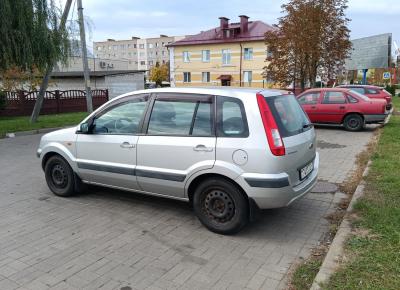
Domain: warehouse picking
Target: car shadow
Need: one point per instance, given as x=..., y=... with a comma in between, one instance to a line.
x=272, y=224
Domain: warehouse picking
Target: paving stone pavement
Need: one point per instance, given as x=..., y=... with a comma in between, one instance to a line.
x=108, y=239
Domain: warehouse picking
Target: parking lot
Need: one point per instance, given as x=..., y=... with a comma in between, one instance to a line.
x=107, y=239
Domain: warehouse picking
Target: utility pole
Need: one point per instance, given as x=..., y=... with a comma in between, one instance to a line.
x=45, y=81
x=89, y=104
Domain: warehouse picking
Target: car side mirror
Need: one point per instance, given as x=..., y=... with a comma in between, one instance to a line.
x=84, y=128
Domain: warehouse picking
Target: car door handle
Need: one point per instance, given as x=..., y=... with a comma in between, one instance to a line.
x=313, y=107
x=342, y=107
x=127, y=145
x=202, y=147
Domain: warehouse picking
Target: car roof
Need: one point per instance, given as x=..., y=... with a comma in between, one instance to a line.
x=238, y=92
x=360, y=86
x=336, y=89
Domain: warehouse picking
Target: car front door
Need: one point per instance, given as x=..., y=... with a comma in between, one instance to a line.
x=107, y=153
x=309, y=102
x=179, y=140
x=333, y=107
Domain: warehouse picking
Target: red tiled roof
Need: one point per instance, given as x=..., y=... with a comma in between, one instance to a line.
x=256, y=31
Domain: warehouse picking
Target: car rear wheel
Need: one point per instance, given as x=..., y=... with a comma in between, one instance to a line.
x=221, y=206
x=59, y=176
x=353, y=122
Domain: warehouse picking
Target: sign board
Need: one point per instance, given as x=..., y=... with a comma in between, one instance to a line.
x=370, y=52
x=386, y=75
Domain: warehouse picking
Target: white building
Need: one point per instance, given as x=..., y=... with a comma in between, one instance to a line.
x=140, y=53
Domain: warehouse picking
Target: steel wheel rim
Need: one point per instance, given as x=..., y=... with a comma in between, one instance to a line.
x=219, y=206
x=354, y=123
x=59, y=176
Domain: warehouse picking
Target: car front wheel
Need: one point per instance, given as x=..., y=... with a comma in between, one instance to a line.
x=221, y=206
x=353, y=122
x=59, y=176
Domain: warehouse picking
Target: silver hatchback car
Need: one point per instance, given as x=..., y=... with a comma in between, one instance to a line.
x=228, y=151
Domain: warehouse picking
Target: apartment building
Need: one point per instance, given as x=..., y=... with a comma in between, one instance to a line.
x=141, y=53
x=233, y=54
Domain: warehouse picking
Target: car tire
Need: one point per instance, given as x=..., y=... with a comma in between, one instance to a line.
x=221, y=206
x=59, y=176
x=353, y=122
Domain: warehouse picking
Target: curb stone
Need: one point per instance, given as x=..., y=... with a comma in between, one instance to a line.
x=33, y=132
x=335, y=252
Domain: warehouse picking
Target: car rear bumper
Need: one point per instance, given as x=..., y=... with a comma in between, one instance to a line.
x=269, y=192
x=377, y=118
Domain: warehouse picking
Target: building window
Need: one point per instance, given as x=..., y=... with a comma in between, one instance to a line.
x=157, y=44
x=115, y=47
x=99, y=48
x=150, y=45
x=134, y=46
x=247, y=76
x=150, y=62
x=187, y=77
x=141, y=54
x=186, y=56
x=205, y=76
x=129, y=46
x=248, y=53
x=150, y=53
x=226, y=56
x=143, y=62
x=205, y=56
x=163, y=53
x=141, y=45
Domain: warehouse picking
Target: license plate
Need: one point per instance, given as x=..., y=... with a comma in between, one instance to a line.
x=306, y=170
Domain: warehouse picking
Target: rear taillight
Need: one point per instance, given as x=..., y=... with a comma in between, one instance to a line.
x=271, y=129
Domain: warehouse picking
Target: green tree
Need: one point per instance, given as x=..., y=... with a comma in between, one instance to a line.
x=312, y=38
x=159, y=73
x=29, y=36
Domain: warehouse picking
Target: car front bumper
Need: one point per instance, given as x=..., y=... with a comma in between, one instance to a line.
x=269, y=194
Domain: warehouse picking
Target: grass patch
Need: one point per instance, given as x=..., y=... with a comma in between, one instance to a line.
x=374, y=261
x=15, y=124
x=304, y=275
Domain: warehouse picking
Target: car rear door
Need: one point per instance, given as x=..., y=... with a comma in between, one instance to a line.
x=107, y=154
x=298, y=137
x=309, y=102
x=333, y=107
x=178, y=140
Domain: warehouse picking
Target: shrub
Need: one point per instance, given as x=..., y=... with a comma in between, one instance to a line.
x=3, y=99
x=391, y=89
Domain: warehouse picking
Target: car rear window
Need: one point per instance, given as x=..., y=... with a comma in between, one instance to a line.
x=288, y=114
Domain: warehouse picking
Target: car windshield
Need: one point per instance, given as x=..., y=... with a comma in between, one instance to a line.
x=288, y=115
x=361, y=96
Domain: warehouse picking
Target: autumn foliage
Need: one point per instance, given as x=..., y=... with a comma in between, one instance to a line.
x=159, y=74
x=312, y=38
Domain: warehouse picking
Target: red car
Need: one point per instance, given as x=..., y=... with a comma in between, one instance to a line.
x=372, y=92
x=342, y=106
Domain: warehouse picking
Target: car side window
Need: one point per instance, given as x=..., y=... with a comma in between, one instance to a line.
x=309, y=98
x=333, y=97
x=372, y=91
x=352, y=99
x=231, y=118
x=185, y=117
x=358, y=90
x=123, y=118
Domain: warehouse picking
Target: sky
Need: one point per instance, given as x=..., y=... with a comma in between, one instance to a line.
x=122, y=19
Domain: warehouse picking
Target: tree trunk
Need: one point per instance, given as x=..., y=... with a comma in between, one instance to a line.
x=45, y=81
